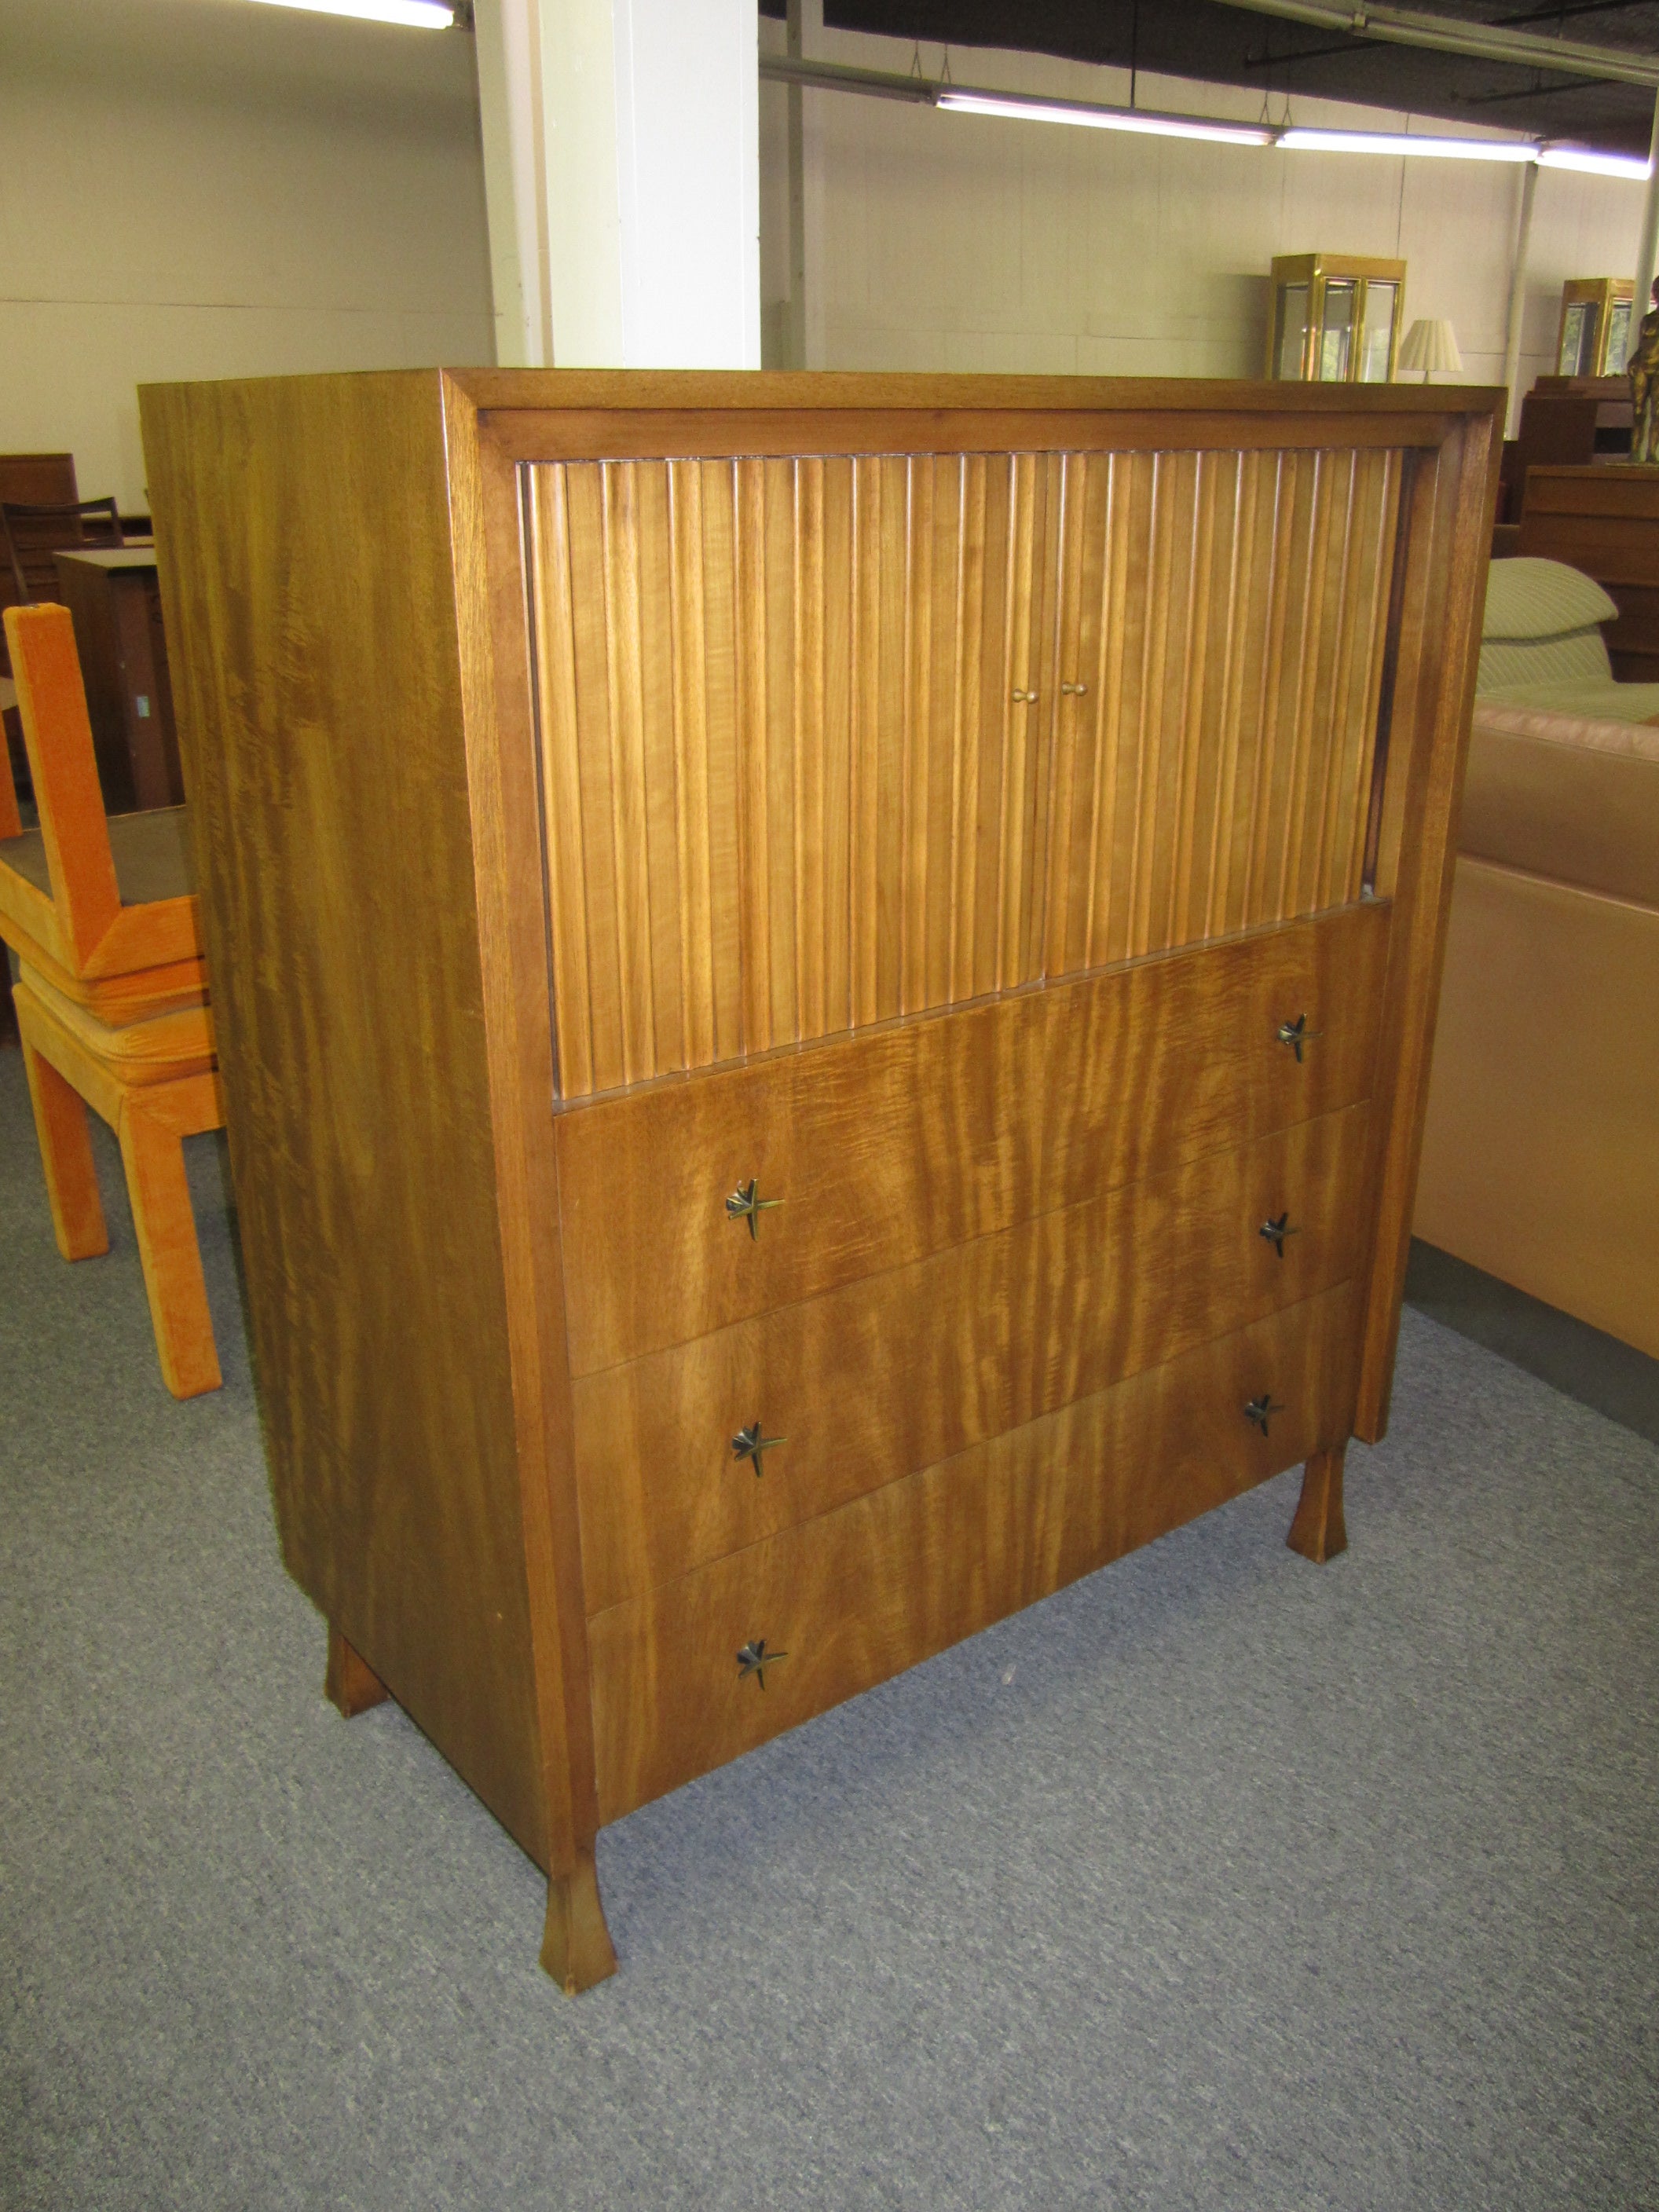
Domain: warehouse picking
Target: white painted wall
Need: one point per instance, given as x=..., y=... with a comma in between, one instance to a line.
x=206, y=188
x=941, y=241
x=199, y=188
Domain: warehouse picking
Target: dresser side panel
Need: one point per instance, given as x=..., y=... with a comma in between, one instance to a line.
x=304, y=541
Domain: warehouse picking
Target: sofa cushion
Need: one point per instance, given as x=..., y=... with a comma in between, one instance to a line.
x=1511, y=664
x=1603, y=701
x=1526, y=598
x=1575, y=801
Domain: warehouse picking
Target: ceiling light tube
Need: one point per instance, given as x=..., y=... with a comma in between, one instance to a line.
x=411, y=15
x=1146, y=121
x=1593, y=164
x=1298, y=141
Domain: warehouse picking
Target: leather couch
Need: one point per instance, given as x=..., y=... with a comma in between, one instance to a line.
x=1541, y=1149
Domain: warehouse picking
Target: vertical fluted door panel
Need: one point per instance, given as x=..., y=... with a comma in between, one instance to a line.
x=1222, y=622
x=789, y=788
x=831, y=739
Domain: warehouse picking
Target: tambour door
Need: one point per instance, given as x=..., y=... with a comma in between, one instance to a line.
x=1222, y=619
x=829, y=740
x=792, y=748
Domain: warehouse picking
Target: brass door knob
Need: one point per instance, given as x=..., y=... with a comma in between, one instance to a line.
x=1025, y=698
x=1074, y=690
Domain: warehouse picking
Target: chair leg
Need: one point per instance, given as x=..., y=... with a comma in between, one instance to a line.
x=154, y=1155
x=60, y=1125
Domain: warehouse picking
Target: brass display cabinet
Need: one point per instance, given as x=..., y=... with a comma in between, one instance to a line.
x=1336, y=319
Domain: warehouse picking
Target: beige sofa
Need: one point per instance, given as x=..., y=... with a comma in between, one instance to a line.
x=1540, y=1150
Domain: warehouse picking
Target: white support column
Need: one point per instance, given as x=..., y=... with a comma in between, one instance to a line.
x=794, y=307
x=1518, y=297
x=688, y=127
x=508, y=35
x=637, y=124
x=1647, y=252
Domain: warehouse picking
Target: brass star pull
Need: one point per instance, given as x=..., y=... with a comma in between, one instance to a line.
x=755, y=1659
x=749, y=1443
x=1276, y=1228
x=746, y=1204
x=1260, y=1411
x=1296, y=1033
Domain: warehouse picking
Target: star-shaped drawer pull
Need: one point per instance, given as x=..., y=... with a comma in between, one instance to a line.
x=1260, y=1411
x=755, y=1659
x=1276, y=1228
x=749, y=1443
x=746, y=1204
x=1297, y=1035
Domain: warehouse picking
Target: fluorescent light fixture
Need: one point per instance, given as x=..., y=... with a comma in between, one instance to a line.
x=1403, y=141
x=1145, y=121
x=412, y=15
x=1597, y=164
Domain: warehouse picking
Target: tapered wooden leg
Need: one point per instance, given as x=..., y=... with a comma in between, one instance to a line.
x=1318, y=1532
x=351, y=1685
x=60, y=1124
x=154, y=1155
x=576, y=1943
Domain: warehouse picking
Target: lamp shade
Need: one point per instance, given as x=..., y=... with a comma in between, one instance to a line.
x=1432, y=344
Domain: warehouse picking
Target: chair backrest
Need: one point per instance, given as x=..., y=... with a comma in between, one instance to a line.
x=37, y=475
x=64, y=767
x=34, y=532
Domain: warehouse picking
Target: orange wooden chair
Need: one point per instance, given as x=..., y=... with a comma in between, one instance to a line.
x=111, y=999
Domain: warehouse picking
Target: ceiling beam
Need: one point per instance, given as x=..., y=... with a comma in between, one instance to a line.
x=1452, y=34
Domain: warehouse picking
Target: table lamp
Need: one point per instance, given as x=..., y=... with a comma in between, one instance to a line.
x=1432, y=344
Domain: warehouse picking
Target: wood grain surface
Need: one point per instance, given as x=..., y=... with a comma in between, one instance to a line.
x=1222, y=623
x=1448, y=523
x=885, y=1377
x=303, y=533
x=799, y=718
x=887, y=1580
x=884, y=1147
x=501, y=782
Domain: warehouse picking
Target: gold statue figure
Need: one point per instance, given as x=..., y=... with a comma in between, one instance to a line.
x=1642, y=370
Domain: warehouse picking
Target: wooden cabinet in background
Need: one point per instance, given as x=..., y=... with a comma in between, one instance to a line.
x=1605, y=520
x=115, y=601
x=858, y=969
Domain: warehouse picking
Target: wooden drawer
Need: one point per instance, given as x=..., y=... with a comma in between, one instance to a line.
x=886, y=1147
x=881, y=1378
x=861, y=1593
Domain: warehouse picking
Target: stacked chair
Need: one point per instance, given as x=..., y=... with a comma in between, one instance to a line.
x=111, y=999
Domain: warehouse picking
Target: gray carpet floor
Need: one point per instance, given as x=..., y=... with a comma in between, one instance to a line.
x=1219, y=1880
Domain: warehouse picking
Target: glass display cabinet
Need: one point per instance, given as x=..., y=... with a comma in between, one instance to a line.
x=1595, y=333
x=1336, y=319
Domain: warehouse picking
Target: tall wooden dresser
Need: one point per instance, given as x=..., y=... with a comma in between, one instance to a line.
x=823, y=985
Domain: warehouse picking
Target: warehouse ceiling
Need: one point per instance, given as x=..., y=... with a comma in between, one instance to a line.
x=1226, y=45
